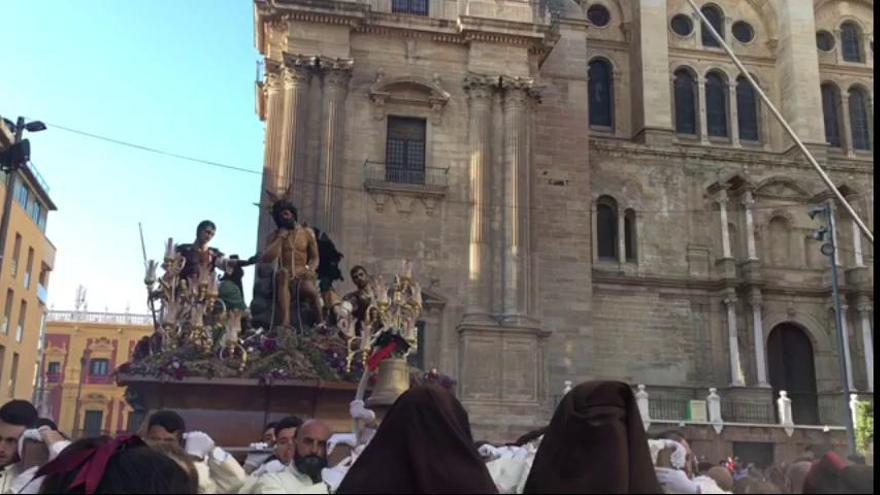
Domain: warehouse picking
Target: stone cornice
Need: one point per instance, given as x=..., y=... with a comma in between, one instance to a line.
x=719, y=57
x=714, y=287
x=862, y=71
x=621, y=148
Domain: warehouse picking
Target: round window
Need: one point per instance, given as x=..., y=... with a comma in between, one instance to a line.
x=682, y=25
x=598, y=15
x=743, y=31
x=824, y=41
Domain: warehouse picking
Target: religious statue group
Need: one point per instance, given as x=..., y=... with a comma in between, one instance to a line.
x=293, y=293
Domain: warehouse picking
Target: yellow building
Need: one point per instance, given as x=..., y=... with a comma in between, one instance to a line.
x=98, y=343
x=28, y=258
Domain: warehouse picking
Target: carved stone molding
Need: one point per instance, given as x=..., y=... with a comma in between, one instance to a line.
x=405, y=196
x=409, y=90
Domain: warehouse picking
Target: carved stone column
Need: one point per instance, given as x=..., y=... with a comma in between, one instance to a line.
x=336, y=76
x=734, y=113
x=736, y=374
x=847, y=359
x=725, y=231
x=274, y=144
x=858, y=256
x=758, y=335
x=480, y=90
x=749, y=203
x=847, y=140
x=867, y=341
x=701, y=111
x=297, y=74
x=515, y=199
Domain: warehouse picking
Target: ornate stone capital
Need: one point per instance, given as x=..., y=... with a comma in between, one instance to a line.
x=864, y=308
x=516, y=89
x=337, y=71
x=480, y=87
x=721, y=198
x=748, y=199
x=729, y=301
x=273, y=83
x=296, y=74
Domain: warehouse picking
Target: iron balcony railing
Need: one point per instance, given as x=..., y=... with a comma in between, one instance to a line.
x=378, y=172
x=97, y=317
x=748, y=411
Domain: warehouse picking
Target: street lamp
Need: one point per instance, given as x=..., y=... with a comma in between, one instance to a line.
x=829, y=249
x=11, y=160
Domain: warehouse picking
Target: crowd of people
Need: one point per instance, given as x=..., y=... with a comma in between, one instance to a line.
x=595, y=443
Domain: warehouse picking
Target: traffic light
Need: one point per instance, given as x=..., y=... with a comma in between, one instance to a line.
x=15, y=156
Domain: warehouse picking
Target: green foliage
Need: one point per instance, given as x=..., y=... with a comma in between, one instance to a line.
x=864, y=426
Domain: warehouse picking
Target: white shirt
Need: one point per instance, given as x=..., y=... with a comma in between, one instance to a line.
x=289, y=480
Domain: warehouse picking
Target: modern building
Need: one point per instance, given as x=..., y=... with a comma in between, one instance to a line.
x=28, y=260
x=83, y=350
x=592, y=191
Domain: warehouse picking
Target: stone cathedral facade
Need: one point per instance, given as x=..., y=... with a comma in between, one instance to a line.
x=591, y=191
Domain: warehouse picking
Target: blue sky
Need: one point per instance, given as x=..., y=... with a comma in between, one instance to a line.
x=170, y=74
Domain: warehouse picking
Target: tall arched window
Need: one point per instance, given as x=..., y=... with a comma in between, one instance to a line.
x=716, y=19
x=606, y=227
x=858, y=119
x=716, y=105
x=601, y=87
x=629, y=232
x=685, y=102
x=851, y=42
x=746, y=110
x=830, y=111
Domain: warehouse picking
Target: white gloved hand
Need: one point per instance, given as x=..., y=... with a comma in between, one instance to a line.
x=358, y=411
x=675, y=481
x=489, y=452
x=257, y=455
x=273, y=466
x=333, y=476
x=341, y=439
x=198, y=443
x=32, y=434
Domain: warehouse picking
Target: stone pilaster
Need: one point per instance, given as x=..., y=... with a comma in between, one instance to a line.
x=725, y=230
x=274, y=144
x=736, y=374
x=297, y=75
x=703, y=131
x=867, y=341
x=797, y=69
x=749, y=203
x=651, y=100
x=480, y=90
x=734, y=112
x=847, y=359
x=336, y=74
x=515, y=200
x=758, y=335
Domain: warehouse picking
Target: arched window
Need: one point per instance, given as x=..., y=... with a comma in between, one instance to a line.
x=851, y=42
x=746, y=110
x=858, y=119
x=629, y=232
x=685, y=102
x=716, y=105
x=601, y=87
x=830, y=111
x=606, y=227
x=716, y=19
